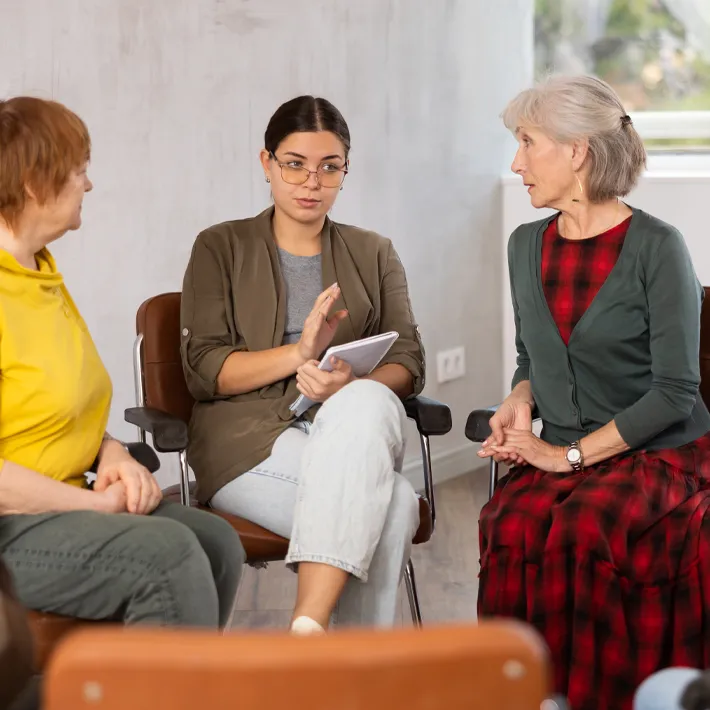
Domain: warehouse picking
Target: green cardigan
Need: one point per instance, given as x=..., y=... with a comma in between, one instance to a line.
x=633, y=356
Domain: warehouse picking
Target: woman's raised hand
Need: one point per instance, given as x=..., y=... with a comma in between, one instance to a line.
x=319, y=327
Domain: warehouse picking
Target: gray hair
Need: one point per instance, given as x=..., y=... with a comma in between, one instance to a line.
x=568, y=108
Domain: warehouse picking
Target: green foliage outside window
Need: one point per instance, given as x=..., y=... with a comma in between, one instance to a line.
x=641, y=47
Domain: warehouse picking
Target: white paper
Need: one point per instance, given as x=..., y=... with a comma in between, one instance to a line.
x=362, y=355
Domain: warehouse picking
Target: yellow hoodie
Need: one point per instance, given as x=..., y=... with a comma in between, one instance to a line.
x=55, y=393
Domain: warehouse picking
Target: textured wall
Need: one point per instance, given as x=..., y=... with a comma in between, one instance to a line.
x=177, y=94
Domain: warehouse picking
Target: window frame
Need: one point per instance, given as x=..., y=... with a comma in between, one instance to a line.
x=672, y=125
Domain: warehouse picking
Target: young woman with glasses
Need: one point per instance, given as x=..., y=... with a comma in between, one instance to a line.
x=263, y=298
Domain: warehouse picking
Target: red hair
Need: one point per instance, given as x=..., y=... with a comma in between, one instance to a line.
x=41, y=143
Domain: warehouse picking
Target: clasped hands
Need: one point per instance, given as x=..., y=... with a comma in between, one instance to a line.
x=123, y=485
x=513, y=443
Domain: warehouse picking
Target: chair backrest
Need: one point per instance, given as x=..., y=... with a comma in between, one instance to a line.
x=501, y=664
x=158, y=321
x=705, y=348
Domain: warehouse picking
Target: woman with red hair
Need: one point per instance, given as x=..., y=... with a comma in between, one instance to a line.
x=115, y=552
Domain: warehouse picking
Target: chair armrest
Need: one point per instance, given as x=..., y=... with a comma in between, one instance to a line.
x=478, y=426
x=144, y=454
x=169, y=433
x=432, y=418
x=141, y=452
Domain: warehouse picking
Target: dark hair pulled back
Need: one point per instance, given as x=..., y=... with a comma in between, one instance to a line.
x=306, y=114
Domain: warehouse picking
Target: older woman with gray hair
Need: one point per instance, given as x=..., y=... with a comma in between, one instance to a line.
x=599, y=535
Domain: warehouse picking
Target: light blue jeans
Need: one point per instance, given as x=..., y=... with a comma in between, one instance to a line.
x=335, y=489
x=664, y=689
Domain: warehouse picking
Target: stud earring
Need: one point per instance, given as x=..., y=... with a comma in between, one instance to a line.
x=267, y=179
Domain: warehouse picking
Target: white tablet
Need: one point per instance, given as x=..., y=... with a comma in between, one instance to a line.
x=362, y=355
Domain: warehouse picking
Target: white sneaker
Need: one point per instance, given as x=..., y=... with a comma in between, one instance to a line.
x=305, y=626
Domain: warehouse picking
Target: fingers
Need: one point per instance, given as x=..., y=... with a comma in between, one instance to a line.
x=306, y=378
x=322, y=378
x=517, y=436
x=146, y=491
x=498, y=435
x=326, y=299
x=322, y=298
x=310, y=374
x=142, y=492
x=116, y=498
x=340, y=365
x=337, y=317
x=333, y=291
x=506, y=451
x=498, y=457
x=157, y=495
x=496, y=431
x=133, y=492
x=105, y=478
x=313, y=324
x=318, y=384
x=318, y=330
x=153, y=494
x=305, y=388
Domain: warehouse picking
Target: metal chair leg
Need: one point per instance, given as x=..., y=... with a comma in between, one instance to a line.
x=493, y=477
x=428, y=478
x=230, y=621
x=411, y=584
x=184, y=479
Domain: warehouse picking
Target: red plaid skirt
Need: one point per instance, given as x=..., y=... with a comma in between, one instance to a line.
x=611, y=565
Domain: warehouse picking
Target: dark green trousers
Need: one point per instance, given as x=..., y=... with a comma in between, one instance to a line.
x=176, y=567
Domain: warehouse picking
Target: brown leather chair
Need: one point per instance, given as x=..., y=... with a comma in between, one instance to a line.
x=496, y=665
x=15, y=642
x=165, y=405
x=478, y=428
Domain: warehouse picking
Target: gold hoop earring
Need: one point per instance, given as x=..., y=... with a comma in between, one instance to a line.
x=581, y=189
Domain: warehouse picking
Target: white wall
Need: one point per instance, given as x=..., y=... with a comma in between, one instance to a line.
x=177, y=94
x=679, y=197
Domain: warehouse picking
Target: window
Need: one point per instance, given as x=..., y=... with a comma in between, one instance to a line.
x=655, y=53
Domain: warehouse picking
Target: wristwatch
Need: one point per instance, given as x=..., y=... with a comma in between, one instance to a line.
x=574, y=456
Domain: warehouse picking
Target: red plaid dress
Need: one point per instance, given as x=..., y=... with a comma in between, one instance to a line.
x=611, y=565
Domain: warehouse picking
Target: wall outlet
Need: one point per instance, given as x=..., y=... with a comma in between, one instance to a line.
x=450, y=364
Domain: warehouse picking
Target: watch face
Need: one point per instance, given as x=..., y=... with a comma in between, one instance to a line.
x=574, y=455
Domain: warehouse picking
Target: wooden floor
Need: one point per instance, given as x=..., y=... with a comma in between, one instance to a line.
x=446, y=567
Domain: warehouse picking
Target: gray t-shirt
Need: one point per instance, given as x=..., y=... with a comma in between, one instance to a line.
x=304, y=283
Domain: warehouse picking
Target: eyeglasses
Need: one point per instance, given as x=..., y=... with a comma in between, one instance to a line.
x=327, y=175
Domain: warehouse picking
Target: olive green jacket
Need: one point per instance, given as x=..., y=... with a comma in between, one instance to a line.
x=234, y=299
